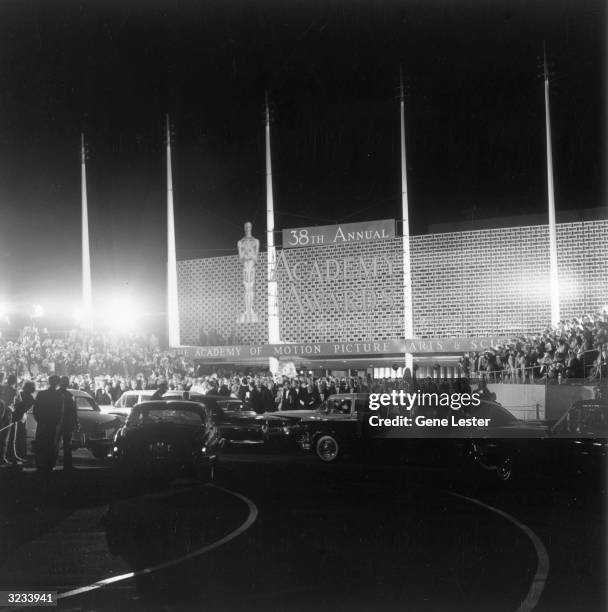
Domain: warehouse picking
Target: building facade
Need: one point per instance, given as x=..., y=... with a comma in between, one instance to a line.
x=469, y=283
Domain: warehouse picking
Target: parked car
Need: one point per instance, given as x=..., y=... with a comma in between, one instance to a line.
x=577, y=444
x=282, y=427
x=165, y=438
x=96, y=431
x=342, y=426
x=339, y=426
x=238, y=423
x=122, y=406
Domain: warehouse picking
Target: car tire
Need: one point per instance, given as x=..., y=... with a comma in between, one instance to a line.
x=327, y=448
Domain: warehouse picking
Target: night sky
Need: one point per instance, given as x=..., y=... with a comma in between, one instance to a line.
x=475, y=123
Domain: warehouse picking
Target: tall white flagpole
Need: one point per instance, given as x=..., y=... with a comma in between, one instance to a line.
x=273, y=306
x=554, y=274
x=87, y=291
x=172, y=303
x=408, y=324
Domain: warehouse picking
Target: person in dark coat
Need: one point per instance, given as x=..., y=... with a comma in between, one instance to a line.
x=267, y=398
x=69, y=421
x=255, y=398
x=102, y=397
x=48, y=413
x=310, y=397
x=243, y=390
x=212, y=388
x=305, y=397
x=25, y=403
x=288, y=397
x=223, y=388
x=162, y=389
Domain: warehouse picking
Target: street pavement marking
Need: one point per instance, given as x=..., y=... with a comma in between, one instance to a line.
x=532, y=597
x=542, y=569
x=251, y=518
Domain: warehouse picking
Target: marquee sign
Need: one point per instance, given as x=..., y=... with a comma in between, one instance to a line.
x=341, y=349
x=338, y=234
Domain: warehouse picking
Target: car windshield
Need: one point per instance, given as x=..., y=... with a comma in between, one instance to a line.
x=178, y=416
x=173, y=395
x=338, y=406
x=130, y=401
x=84, y=403
x=233, y=406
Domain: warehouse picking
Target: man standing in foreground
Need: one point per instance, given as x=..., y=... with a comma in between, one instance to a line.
x=69, y=421
x=48, y=413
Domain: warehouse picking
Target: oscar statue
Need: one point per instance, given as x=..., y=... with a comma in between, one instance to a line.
x=248, y=248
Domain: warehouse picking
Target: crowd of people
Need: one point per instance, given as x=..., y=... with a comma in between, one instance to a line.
x=111, y=364
x=36, y=353
x=106, y=366
x=575, y=349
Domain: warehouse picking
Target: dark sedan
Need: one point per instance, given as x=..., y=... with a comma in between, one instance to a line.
x=165, y=438
x=339, y=426
x=239, y=425
x=576, y=445
x=344, y=425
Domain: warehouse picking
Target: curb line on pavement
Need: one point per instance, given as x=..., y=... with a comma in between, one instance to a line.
x=532, y=597
x=251, y=518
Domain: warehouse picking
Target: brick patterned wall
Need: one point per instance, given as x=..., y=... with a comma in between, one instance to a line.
x=211, y=296
x=497, y=281
x=342, y=311
x=485, y=282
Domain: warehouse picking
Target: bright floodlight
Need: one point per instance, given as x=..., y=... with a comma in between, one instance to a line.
x=37, y=311
x=4, y=310
x=120, y=314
